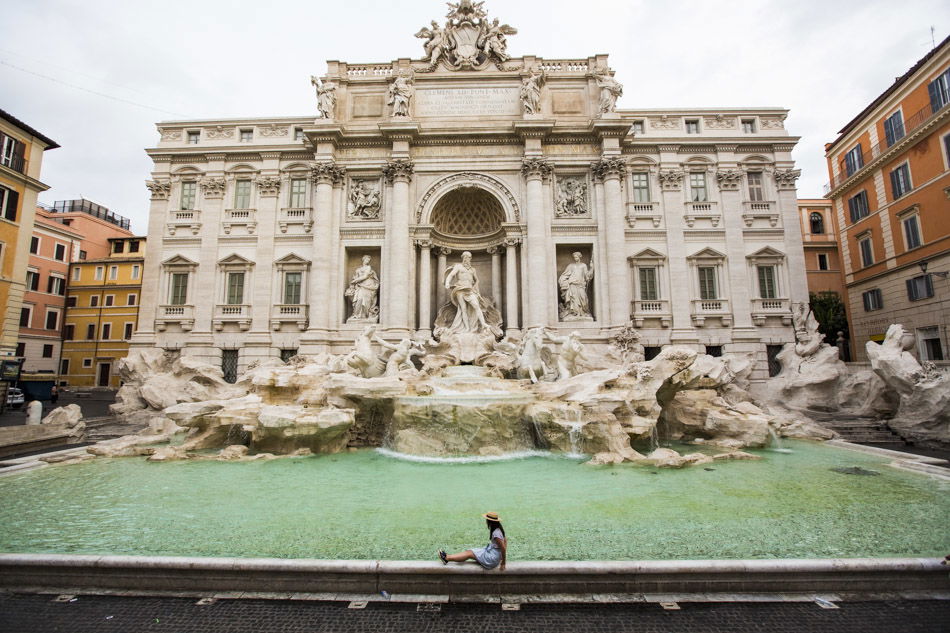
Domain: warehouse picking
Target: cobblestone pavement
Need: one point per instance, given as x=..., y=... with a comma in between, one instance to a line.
x=107, y=614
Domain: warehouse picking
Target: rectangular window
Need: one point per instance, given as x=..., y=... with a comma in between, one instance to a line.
x=292, y=288
x=47, y=351
x=928, y=341
x=135, y=271
x=900, y=181
x=90, y=331
x=748, y=126
x=872, y=300
x=242, y=194
x=235, y=288
x=131, y=299
x=648, y=286
x=34, y=245
x=82, y=256
x=247, y=136
x=128, y=331
x=287, y=354
x=110, y=300
x=188, y=194
x=822, y=261
x=911, y=226
x=76, y=273
x=193, y=137
x=56, y=285
x=64, y=367
x=21, y=349
x=707, y=283
x=692, y=126
x=854, y=160
x=229, y=363
x=52, y=320
x=179, y=289
x=113, y=273
x=71, y=301
x=920, y=287
x=25, y=314
x=946, y=149
x=939, y=90
x=32, y=280
x=638, y=126
x=858, y=206
x=99, y=271
x=867, y=251
x=106, y=331
x=133, y=246
x=298, y=192
x=59, y=252
x=118, y=246
x=641, y=186
x=87, y=362
x=11, y=154
x=94, y=301
x=756, y=189
x=298, y=133
x=714, y=350
x=697, y=187
x=9, y=199
x=894, y=128
x=767, y=287
x=69, y=332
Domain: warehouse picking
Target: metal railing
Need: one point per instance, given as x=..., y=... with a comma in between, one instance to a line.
x=914, y=122
x=16, y=163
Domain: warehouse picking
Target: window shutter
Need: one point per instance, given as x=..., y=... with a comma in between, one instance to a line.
x=929, y=285
x=911, y=290
x=889, y=131
x=895, y=183
x=934, y=89
x=13, y=197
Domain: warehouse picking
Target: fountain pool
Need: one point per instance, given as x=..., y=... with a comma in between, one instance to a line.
x=370, y=505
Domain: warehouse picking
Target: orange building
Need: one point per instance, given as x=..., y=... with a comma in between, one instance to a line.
x=890, y=191
x=820, y=240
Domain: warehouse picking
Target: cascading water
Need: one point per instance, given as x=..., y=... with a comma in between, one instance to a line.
x=574, y=433
x=775, y=443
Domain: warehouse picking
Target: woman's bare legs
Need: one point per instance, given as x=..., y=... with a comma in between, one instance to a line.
x=461, y=556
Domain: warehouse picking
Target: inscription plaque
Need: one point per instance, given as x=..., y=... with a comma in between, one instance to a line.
x=448, y=102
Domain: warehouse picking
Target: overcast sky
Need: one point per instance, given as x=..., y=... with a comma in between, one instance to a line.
x=96, y=76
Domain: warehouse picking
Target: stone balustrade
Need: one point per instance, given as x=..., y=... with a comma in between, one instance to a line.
x=702, y=309
x=295, y=215
x=232, y=313
x=297, y=313
x=183, y=315
x=239, y=217
x=189, y=219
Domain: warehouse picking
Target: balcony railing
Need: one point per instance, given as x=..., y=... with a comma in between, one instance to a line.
x=16, y=163
x=289, y=313
x=239, y=217
x=706, y=308
x=915, y=121
x=759, y=209
x=184, y=218
x=295, y=215
x=764, y=308
x=645, y=211
x=183, y=315
x=232, y=313
x=642, y=309
x=697, y=210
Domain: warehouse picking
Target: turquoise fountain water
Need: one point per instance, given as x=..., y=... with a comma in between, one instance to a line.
x=371, y=505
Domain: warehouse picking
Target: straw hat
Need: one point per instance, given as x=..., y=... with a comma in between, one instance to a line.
x=492, y=516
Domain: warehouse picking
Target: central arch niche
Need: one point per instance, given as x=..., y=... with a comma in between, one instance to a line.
x=468, y=217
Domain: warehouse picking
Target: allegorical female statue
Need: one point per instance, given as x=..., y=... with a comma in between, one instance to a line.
x=362, y=292
x=575, y=305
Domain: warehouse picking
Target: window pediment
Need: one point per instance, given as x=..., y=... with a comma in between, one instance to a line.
x=179, y=261
x=648, y=254
x=707, y=254
x=235, y=262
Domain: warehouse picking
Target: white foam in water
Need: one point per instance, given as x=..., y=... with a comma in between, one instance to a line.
x=473, y=459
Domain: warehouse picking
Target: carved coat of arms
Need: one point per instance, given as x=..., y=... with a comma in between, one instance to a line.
x=467, y=40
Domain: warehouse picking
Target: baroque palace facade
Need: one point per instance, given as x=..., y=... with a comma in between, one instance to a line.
x=275, y=236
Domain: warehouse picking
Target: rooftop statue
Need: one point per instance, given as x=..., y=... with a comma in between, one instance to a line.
x=610, y=91
x=326, y=97
x=400, y=93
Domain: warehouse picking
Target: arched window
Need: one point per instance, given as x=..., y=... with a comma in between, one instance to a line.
x=817, y=223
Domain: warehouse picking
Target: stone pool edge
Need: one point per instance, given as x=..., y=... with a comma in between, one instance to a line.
x=845, y=578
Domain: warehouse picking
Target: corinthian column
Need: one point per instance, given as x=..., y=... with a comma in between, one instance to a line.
x=425, y=286
x=511, y=284
x=534, y=171
x=399, y=174
x=324, y=175
x=440, y=281
x=612, y=171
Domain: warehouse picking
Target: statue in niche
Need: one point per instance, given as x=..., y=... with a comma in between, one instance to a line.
x=531, y=91
x=365, y=201
x=570, y=352
x=435, y=44
x=326, y=97
x=400, y=92
x=573, y=282
x=462, y=283
x=610, y=91
x=401, y=357
x=362, y=292
x=572, y=197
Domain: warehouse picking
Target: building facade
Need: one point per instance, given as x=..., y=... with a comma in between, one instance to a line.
x=102, y=313
x=21, y=157
x=890, y=187
x=276, y=236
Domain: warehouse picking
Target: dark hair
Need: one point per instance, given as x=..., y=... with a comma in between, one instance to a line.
x=492, y=526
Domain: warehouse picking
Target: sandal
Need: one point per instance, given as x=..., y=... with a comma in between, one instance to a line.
x=442, y=557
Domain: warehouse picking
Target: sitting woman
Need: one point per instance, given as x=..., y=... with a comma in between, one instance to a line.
x=491, y=555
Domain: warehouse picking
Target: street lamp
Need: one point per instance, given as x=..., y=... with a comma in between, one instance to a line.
x=939, y=273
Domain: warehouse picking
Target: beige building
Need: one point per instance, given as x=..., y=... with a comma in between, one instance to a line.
x=279, y=235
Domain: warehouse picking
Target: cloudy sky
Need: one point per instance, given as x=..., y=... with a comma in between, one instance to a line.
x=96, y=75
